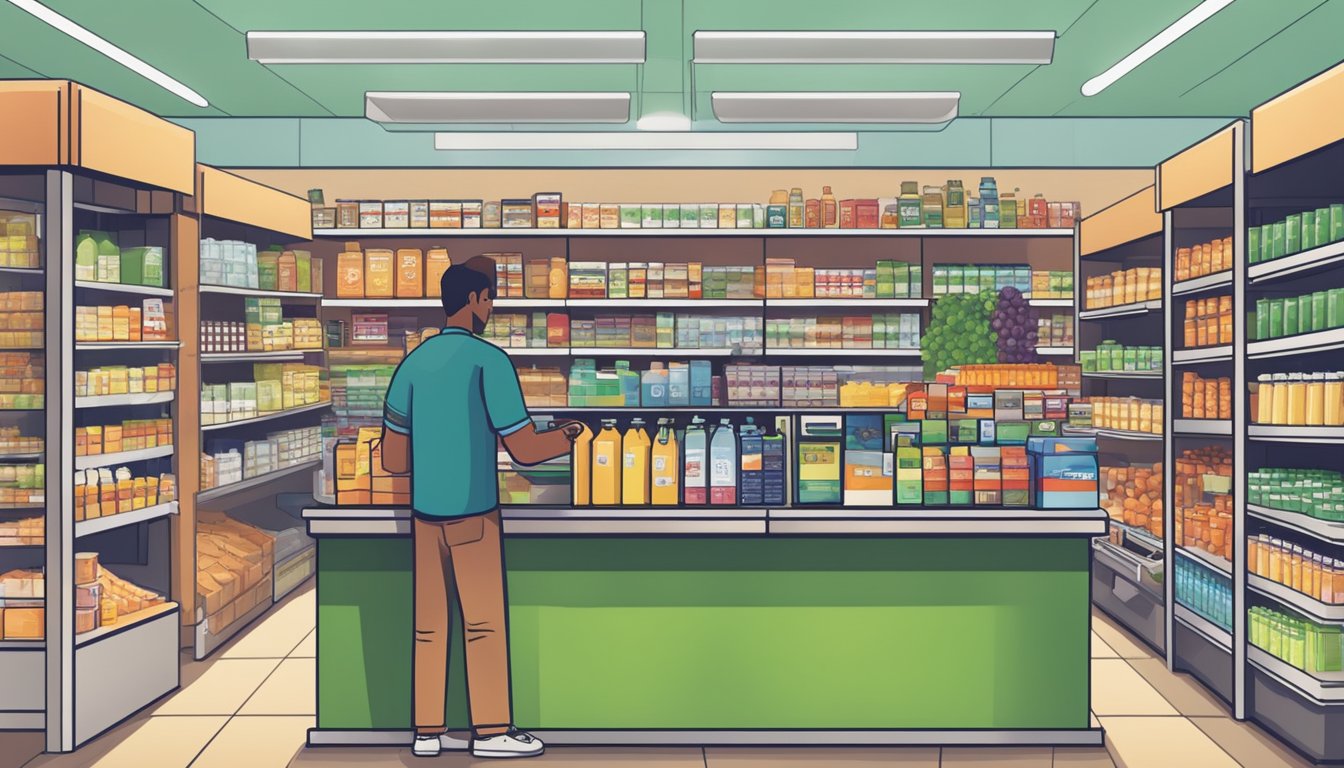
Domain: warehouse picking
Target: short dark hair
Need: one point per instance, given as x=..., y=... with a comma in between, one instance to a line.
x=461, y=280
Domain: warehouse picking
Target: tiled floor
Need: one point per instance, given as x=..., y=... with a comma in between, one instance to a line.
x=251, y=706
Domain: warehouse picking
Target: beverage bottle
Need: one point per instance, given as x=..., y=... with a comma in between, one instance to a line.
x=830, y=211
x=954, y=205
x=752, y=490
x=607, y=465
x=635, y=465
x=723, y=465
x=695, y=479
x=581, y=468
x=989, y=203
x=665, y=468
x=797, y=208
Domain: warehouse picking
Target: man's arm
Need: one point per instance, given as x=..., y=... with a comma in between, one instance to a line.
x=396, y=441
x=527, y=446
x=508, y=416
x=396, y=449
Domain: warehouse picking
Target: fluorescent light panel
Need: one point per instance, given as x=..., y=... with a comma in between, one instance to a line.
x=522, y=107
x=885, y=47
x=507, y=141
x=1198, y=15
x=443, y=47
x=127, y=60
x=828, y=107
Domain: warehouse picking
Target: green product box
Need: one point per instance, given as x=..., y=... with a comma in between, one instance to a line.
x=1309, y=230
x=1277, y=244
x=630, y=216
x=1334, y=308
x=1290, y=308
x=968, y=431
x=268, y=270
x=1088, y=359
x=956, y=279
x=690, y=215
x=1266, y=242
x=133, y=266
x=901, y=280
x=987, y=280
x=1318, y=310
x=1322, y=235
x=1129, y=359
x=940, y=280
x=776, y=216
x=1261, y=320
x=1336, y=222
x=1304, y=313
x=1253, y=244
x=916, y=281
x=933, y=432
x=709, y=215
x=1292, y=235
x=1044, y=428
x=1012, y=432
x=1276, y=312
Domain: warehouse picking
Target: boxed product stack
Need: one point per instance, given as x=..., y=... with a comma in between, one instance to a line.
x=103, y=492
x=746, y=384
x=1054, y=330
x=1133, y=496
x=231, y=263
x=99, y=259
x=22, y=485
x=1307, y=572
x=22, y=322
x=1317, y=493
x=22, y=379
x=1111, y=357
x=23, y=532
x=275, y=387
x=360, y=476
x=1208, y=322
x=22, y=601
x=537, y=329
x=1203, y=480
x=1127, y=414
x=974, y=278
x=357, y=390
x=122, y=380
x=234, y=567
x=543, y=387
x=1205, y=592
x=130, y=435
x=19, y=246
x=1203, y=259
x=118, y=599
x=14, y=443
x=1307, y=313
x=232, y=461
x=149, y=322
x=379, y=273
x=1298, y=232
x=1304, y=644
x=1205, y=398
x=1051, y=284
x=878, y=331
x=1128, y=286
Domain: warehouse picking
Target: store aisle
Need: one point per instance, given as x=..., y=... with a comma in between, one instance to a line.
x=252, y=705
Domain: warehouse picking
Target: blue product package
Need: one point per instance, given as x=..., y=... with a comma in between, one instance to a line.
x=678, y=385
x=773, y=458
x=1064, y=472
x=702, y=383
x=654, y=388
x=863, y=432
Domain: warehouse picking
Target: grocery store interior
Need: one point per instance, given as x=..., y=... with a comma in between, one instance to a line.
x=960, y=383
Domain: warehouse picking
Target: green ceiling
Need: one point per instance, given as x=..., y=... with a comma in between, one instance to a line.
x=1244, y=55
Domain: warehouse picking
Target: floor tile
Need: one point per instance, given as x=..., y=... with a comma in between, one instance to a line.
x=18, y=747
x=1016, y=757
x=1188, y=696
x=616, y=757
x=1100, y=650
x=290, y=690
x=154, y=742
x=820, y=757
x=306, y=649
x=257, y=742
x=369, y=757
x=279, y=632
x=1248, y=744
x=1118, y=690
x=1161, y=742
x=221, y=690
x=1119, y=640
x=1083, y=757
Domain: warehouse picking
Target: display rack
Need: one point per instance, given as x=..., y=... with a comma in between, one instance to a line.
x=1200, y=193
x=234, y=208
x=90, y=162
x=1297, y=164
x=1129, y=569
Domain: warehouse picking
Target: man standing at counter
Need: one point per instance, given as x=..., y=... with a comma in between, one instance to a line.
x=447, y=402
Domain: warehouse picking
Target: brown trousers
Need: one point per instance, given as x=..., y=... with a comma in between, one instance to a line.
x=466, y=554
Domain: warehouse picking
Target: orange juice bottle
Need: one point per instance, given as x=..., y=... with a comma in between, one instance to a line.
x=581, y=468
x=635, y=465
x=665, y=475
x=607, y=465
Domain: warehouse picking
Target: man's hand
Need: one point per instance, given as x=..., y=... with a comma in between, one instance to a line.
x=527, y=446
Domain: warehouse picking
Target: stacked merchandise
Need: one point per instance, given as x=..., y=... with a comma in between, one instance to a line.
x=1298, y=399
x=98, y=259
x=149, y=322
x=1203, y=259
x=1055, y=330
x=1018, y=375
x=129, y=435
x=22, y=601
x=232, y=461
x=22, y=486
x=234, y=565
x=237, y=264
x=380, y=273
x=14, y=443
x=517, y=330
x=1203, y=474
x=543, y=387
x=23, y=532
x=1205, y=592
x=103, y=492
x=1208, y=322
x=1307, y=313
x=668, y=331
x=101, y=600
x=119, y=600
x=1051, y=284
x=1205, y=398
x=1110, y=357
x=22, y=378
x=123, y=380
x=889, y=279
x=264, y=330
x=1316, y=493
x=359, y=476
x=1302, y=643
x=1128, y=286
x=1133, y=496
x=275, y=387
x=1316, y=575
x=651, y=280
x=1298, y=232
x=19, y=246
x=877, y=331
x=22, y=322
x=953, y=279
x=1127, y=414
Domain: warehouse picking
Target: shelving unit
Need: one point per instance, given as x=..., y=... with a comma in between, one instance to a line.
x=709, y=232
x=1128, y=572
x=233, y=208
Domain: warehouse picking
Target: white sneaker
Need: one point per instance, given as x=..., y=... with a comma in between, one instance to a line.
x=431, y=746
x=515, y=743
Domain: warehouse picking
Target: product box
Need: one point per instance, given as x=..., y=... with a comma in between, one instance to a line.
x=1064, y=472
x=609, y=216
x=709, y=215
x=396, y=214
x=631, y=215
x=1008, y=405
x=988, y=476
x=410, y=277
x=690, y=215
x=546, y=210
x=473, y=214
x=419, y=214
x=445, y=214
x=1016, y=476
x=933, y=432
x=819, y=472
x=370, y=214
x=868, y=478
x=909, y=470
x=651, y=216
x=516, y=214
x=379, y=273
x=960, y=476
x=935, y=477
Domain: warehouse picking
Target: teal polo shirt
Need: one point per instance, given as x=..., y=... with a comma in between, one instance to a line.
x=452, y=396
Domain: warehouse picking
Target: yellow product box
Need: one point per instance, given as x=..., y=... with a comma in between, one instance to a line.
x=379, y=273
x=122, y=381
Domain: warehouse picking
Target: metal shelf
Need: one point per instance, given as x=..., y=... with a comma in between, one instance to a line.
x=1217, y=427
x=1323, y=530
x=92, y=346
x=839, y=352
x=656, y=303
x=236, y=291
x=1294, y=599
x=846, y=303
x=123, y=457
x=1202, y=283
x=1324, y=687
x=1140, y=536
x=140, y=398
x=1050, y=302
x=1217, y=354
x=1208, y=559
x=242, y=357
x=1211, y=631
x=1154, y=375
x=264, y=417
x=1287, y=434
x=1118, y=434
x=1290, y=266
x=1300, y=344
x=220, y=491
x=23, y=270
x=1123, y=310
x=540, y=351
x=124, y=519
x=433, y=303
x=1055, y=351
x=146, y=290
x=127, y=623
x=8, y=457
x=690, y=232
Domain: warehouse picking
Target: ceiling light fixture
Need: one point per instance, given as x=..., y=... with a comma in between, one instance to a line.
x=664, y=121
x=127, y=60
x=1198, y=15
x=440, y=47
x=877, y=47
x=485, y=107
x=506, y=141
x=828, y=107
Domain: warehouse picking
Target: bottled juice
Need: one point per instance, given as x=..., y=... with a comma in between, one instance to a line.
x=1334, y=399
x=666, y=471
x=1297, y=400
x=581, y=468
x=1316, y=400
x=695, y=481
x=635, y=465
x=1264, y=410
x=1279, y=413
x=607, y=465
x=723, y=465
x=830, y=211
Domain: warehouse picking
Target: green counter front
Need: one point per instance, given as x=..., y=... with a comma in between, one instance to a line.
x=965, y=627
